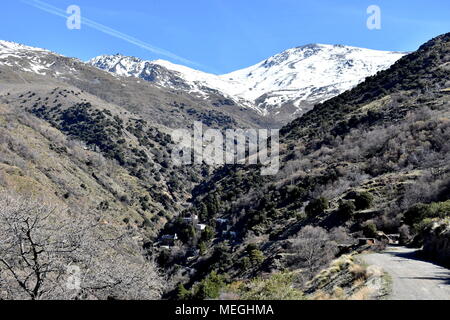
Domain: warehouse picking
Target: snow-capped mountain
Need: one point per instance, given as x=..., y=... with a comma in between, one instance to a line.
x=167, y=74
x=42, y=62
x=283, y=86
x=11, y=53
x=309, y=73
x=39, y=69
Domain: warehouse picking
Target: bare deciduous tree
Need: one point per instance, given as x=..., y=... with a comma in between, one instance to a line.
x=312, y=249
x=46, y=253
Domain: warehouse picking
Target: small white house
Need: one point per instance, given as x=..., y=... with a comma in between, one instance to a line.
x=201, y=227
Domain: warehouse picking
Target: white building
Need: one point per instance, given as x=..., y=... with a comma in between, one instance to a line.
x=200, y=227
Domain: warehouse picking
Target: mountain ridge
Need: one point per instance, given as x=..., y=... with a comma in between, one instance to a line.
x=279, y=89
x=283, y=86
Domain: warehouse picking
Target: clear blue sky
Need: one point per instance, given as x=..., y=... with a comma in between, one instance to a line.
x=223, y=35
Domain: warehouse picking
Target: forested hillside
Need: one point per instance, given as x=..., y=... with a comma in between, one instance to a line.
x=374, y=159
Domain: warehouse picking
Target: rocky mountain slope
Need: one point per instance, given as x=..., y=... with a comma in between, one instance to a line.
x=94, y=142
x=89, y=152
x=169, y=107
x=282, y=87
x=356, y=165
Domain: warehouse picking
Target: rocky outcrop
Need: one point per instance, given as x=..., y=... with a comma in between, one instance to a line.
x=437, y=242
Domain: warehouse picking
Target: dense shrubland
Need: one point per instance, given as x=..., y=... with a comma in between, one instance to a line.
x=374, y=159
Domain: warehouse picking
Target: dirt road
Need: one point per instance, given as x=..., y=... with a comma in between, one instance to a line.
x=412, y=278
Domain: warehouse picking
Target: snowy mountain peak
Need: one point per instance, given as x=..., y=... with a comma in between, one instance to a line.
x=23, y=57
x=12, y=47
x=284, y=85
x=309, y=74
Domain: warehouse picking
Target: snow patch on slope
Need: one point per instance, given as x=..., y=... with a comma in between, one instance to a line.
x=170, y=75
x=14, y=54
x=310, y=72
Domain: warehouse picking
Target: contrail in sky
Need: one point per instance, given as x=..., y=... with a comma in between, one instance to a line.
x=107, y=30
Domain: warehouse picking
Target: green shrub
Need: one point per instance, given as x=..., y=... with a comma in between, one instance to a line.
x=256, y=257
x=203, y=248
x=209, y=288
x=316, y=207
x=245, y=263
x=370, y=230
x=347, y=209
x=251, y=247
x=417, y=213
x=420, y=212
x=424, y=225
x=363, y=200
x=183, y=293
x=278, y=287
x=440, y=209
x=208, y=234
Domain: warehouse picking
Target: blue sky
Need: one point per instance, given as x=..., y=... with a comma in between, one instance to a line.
x=220, y=36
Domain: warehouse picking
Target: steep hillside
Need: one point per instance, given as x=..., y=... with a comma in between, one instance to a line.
x=90, y=155
x=99, y=142
x=95, y=184
x=169, y=107
x=119, y=128
x=86, y=156
x=351, y=167
x=281, y=88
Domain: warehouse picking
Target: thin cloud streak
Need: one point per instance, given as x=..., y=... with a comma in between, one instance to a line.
x=107, y=30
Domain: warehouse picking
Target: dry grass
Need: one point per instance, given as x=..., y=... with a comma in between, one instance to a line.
x=358, y=271
x=364, y=293
x=364, y=282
